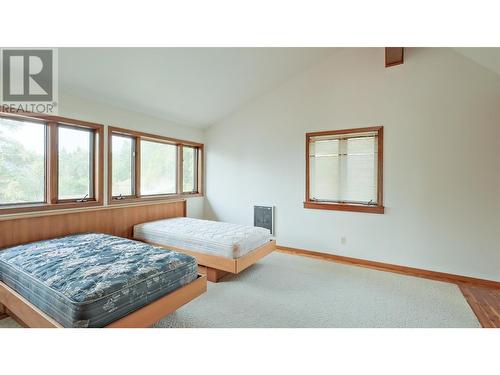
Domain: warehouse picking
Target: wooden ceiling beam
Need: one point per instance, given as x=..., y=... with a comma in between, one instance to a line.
x=394, y=56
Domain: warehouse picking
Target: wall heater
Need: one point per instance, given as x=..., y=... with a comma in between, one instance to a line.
x=263, y=216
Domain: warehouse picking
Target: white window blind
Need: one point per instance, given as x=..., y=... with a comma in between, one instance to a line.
x=343, y=168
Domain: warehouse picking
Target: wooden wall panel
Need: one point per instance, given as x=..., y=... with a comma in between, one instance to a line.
x=118, y=221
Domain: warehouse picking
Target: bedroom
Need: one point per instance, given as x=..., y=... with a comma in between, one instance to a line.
x=250, y=187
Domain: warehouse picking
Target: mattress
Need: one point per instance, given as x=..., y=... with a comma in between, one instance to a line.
x=93, y=279
x=205, y=236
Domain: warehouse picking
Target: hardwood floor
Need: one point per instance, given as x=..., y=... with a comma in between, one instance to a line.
x=485, y=302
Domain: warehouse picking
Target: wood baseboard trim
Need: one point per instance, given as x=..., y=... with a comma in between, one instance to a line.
x=417, y=272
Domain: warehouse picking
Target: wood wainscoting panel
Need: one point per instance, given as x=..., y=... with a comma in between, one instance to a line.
x=116, y=220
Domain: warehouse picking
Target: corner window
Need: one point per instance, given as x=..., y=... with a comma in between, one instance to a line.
x=344, y=170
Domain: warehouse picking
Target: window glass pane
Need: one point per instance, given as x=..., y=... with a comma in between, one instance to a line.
x=189, y=169
x=326, y=148
x=325, y=170
x=360, y=182
x=75, y=163
x=123, y=165
x=22, y=162
x=344, y=170
x=158, y=168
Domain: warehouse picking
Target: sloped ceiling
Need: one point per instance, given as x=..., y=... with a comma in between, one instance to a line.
x=195, y=86
x=191, y=86
x=487, y=57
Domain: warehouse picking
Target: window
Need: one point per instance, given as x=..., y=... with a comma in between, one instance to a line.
x=76, y=161
x=123, y=165
x=22, y=161
x=344, y=170
x=146, y=166
x=158, y=168
x=48, y=162
x=189, y=169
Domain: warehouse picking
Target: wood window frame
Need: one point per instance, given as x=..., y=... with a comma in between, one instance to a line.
x=52, y=202
x=138, y=136
x=134, y=162
x=375, y=209
x=93, y=142
x=13, y=207
x=197, y=158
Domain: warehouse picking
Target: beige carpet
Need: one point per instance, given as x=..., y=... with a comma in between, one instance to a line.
x=293, y=291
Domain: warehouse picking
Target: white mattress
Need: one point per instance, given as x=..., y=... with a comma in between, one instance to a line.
x=210, y=237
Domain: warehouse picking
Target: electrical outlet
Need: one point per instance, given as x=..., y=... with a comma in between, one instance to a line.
x=343, y=240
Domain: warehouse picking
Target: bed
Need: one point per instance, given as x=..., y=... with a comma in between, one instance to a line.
x=95, y=280
x=220, y=248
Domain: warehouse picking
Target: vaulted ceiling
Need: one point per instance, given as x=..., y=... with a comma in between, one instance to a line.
x=487, y=57
x=192, y=86
x=195, y=86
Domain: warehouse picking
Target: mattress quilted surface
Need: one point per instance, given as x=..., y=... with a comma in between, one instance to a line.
x=210, y=237
x=91, y=280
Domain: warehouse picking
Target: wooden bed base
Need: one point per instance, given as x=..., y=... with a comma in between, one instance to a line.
x=146, y=316
x=117, y=220
x=216, y=267
x=3, y=313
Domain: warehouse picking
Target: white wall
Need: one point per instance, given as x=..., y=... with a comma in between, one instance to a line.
x=88, y=110
x=441, y=114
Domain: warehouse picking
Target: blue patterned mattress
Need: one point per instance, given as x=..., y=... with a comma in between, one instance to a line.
x=91, y=280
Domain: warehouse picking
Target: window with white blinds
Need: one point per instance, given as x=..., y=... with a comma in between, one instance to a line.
x=344, y=167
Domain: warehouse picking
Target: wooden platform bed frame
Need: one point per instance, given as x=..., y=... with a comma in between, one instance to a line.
x=216, y=267
x=30, y=316
x=118, y=221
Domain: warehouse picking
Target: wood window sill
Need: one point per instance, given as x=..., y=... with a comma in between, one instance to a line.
x=345, y=207
x=48, y=207
x=113, y=201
